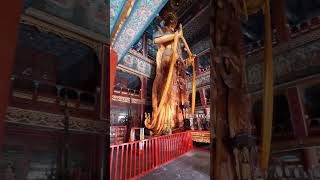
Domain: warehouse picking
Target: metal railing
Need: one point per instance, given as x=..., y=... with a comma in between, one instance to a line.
x=134, y=159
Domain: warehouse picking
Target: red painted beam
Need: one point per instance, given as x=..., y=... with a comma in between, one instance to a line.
x=10, y=13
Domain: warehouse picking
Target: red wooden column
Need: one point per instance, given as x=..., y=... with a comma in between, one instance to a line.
x=203, y=97
x=197, y=66
x=297, y=118
x=143, y=87
x=109, y=64
x=113, y=66
x=201, y=90
x=143, y=96
x=10, y=14
x=280, y=20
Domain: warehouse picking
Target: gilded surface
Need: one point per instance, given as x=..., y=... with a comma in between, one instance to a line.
x=169, y=91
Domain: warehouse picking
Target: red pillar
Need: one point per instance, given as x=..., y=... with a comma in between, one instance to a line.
x=109, y=64
x=203, y=97
x=10, y=13
x=280, y=20
x=297, y=118
x=143, y=87
x=113, y=66
x=197, y=66
x=143, y=96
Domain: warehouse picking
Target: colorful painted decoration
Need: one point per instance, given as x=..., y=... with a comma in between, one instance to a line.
x=116, y=8
x=135, y=63
x=296, y=63
x=143, y=12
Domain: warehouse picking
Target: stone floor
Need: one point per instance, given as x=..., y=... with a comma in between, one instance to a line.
x=193, y=165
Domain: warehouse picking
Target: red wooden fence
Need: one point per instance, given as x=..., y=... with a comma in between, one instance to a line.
x=131, y=160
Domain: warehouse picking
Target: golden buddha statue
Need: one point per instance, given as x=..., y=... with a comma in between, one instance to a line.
x=169, y=91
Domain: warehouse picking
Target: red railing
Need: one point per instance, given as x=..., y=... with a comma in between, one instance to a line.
x=131, y=160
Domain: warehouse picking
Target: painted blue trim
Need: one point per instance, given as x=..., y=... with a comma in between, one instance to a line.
x=151, y=18
x=118, y=16
x=121, y=29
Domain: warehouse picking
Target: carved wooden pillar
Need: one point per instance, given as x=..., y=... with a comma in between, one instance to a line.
x=280, y=20
x=10, y=13
x=229, y=113
x=296, y=112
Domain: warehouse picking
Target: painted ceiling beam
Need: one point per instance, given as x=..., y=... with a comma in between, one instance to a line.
x=116, y=9
x=141, y=15
x=124, y=14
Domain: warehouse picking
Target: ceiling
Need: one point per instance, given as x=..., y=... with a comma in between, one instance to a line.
x=131, y=29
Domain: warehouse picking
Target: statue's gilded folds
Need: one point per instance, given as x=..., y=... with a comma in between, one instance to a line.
x=169, y=91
